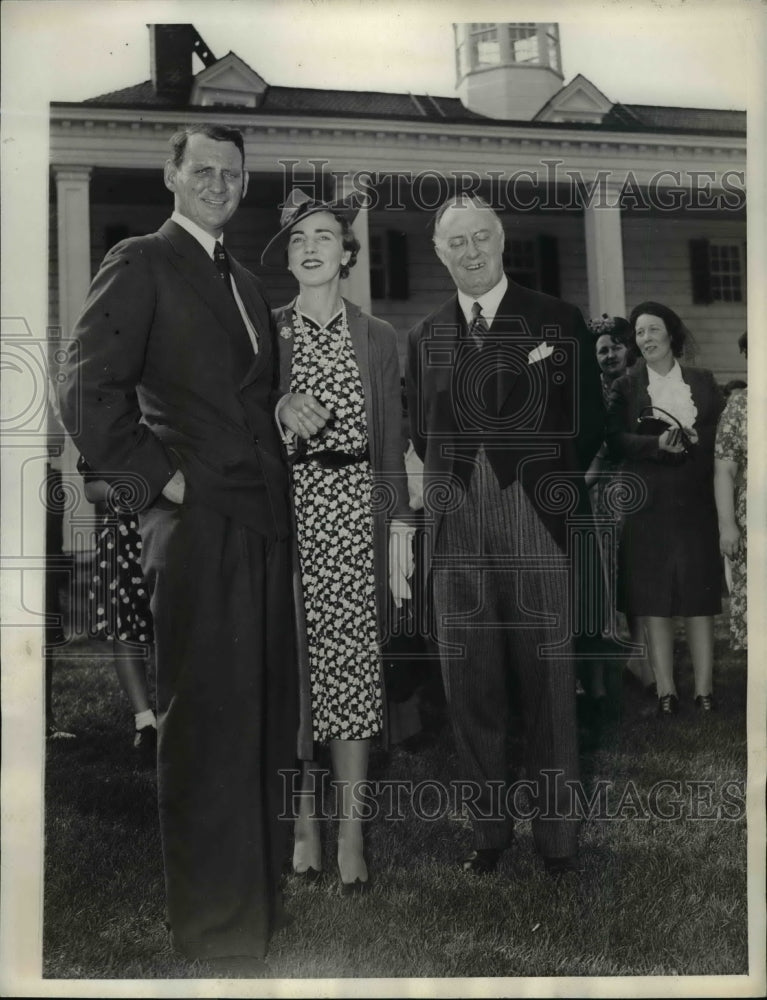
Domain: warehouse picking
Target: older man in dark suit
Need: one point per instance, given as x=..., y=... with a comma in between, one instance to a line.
x=506, y=413
x=171, y=389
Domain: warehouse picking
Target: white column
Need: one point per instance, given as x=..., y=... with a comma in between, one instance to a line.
x=356, y=287
x=74, y=241
x=74, y=257
x=604, y=255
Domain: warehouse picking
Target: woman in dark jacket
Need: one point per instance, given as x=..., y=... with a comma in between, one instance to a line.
x=669, y=563
x=339, y=370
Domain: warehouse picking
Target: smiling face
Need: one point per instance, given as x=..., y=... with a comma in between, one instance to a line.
x=611, y=356
x=316, y=250
x=654, y=343
x=469, y=242
x=209, y=183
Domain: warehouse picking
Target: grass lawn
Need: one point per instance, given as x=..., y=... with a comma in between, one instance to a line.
x=659, y=896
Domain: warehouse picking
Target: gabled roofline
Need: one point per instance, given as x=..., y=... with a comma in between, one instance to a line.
x=569, y=86
x=490, y=123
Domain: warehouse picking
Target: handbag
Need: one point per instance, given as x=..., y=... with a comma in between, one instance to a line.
x=655, y=426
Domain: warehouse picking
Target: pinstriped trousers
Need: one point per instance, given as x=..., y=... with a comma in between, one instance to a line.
x=500, y=597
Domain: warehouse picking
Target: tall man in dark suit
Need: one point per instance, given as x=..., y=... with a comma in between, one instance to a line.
x=170, y=390
x=506, y=413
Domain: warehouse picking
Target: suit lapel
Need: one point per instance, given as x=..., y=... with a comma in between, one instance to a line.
x=516, y=320
x=359, y=332
x=257, y=311
x=445, y=339
x=196, y=268
x=283, y=318
x=640, y=398
x=442, y=346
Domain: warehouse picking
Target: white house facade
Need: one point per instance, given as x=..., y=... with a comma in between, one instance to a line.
x=604, y=204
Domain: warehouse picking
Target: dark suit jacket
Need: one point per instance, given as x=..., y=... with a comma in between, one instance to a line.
x=546, y=417
x=375, y=348
x=668, y=478
x=162, y=375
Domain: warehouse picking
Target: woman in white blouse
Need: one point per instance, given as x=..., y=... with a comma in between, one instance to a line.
x=669, y=562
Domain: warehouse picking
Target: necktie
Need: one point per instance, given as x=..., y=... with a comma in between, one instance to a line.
x=478, y=327
x=221, y=260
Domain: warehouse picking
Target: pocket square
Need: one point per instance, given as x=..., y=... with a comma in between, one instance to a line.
x=539, y=353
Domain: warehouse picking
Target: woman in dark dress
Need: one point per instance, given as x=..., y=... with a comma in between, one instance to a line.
x=339, y=370
x=669, y=562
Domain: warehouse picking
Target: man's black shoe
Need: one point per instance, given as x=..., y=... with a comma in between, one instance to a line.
x=483, y=861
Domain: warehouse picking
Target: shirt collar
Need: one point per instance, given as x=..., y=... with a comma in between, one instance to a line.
x=674, y=375
x=490, y=301
x=207, y=241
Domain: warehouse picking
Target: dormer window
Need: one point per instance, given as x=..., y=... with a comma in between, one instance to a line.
x=229, y=82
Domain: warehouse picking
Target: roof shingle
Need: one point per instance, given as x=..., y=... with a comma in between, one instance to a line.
x=376, y=104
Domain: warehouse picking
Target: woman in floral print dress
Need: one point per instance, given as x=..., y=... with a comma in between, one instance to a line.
x=730, y=476
x=340, y=374
x=119, y=607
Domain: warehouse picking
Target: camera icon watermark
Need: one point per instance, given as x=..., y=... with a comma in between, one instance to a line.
x=32, y=371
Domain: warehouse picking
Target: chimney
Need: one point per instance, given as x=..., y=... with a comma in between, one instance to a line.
x=171, y=49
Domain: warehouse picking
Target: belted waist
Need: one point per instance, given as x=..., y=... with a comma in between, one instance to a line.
x=333, y=459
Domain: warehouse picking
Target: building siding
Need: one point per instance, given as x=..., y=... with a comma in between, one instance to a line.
x=655, y=253
x=656, y=261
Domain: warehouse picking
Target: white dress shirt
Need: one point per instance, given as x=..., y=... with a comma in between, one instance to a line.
x=490, y=302
x=208, y=243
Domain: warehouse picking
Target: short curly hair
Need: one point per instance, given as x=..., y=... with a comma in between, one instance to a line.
x=617, y=328
x=349, y=242
x=677, y=331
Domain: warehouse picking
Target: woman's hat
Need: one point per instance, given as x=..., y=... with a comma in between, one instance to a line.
x=299, y=205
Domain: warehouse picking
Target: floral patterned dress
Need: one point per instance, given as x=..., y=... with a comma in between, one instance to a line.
x=118, y=597
x=731, y=446
x=335, y=540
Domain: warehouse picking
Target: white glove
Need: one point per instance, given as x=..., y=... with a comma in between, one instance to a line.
x=400, y=560
x=414, y=469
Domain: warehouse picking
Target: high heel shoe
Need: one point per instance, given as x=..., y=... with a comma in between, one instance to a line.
x=668, y=704
x=310, y=875
x=705, y=702
x=355, y=888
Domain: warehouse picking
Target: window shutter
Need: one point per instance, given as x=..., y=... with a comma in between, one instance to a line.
x=700, y=274
x=548, y=258
x=397, y=264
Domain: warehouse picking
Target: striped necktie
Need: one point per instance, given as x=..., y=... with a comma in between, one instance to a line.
x=478, y=327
